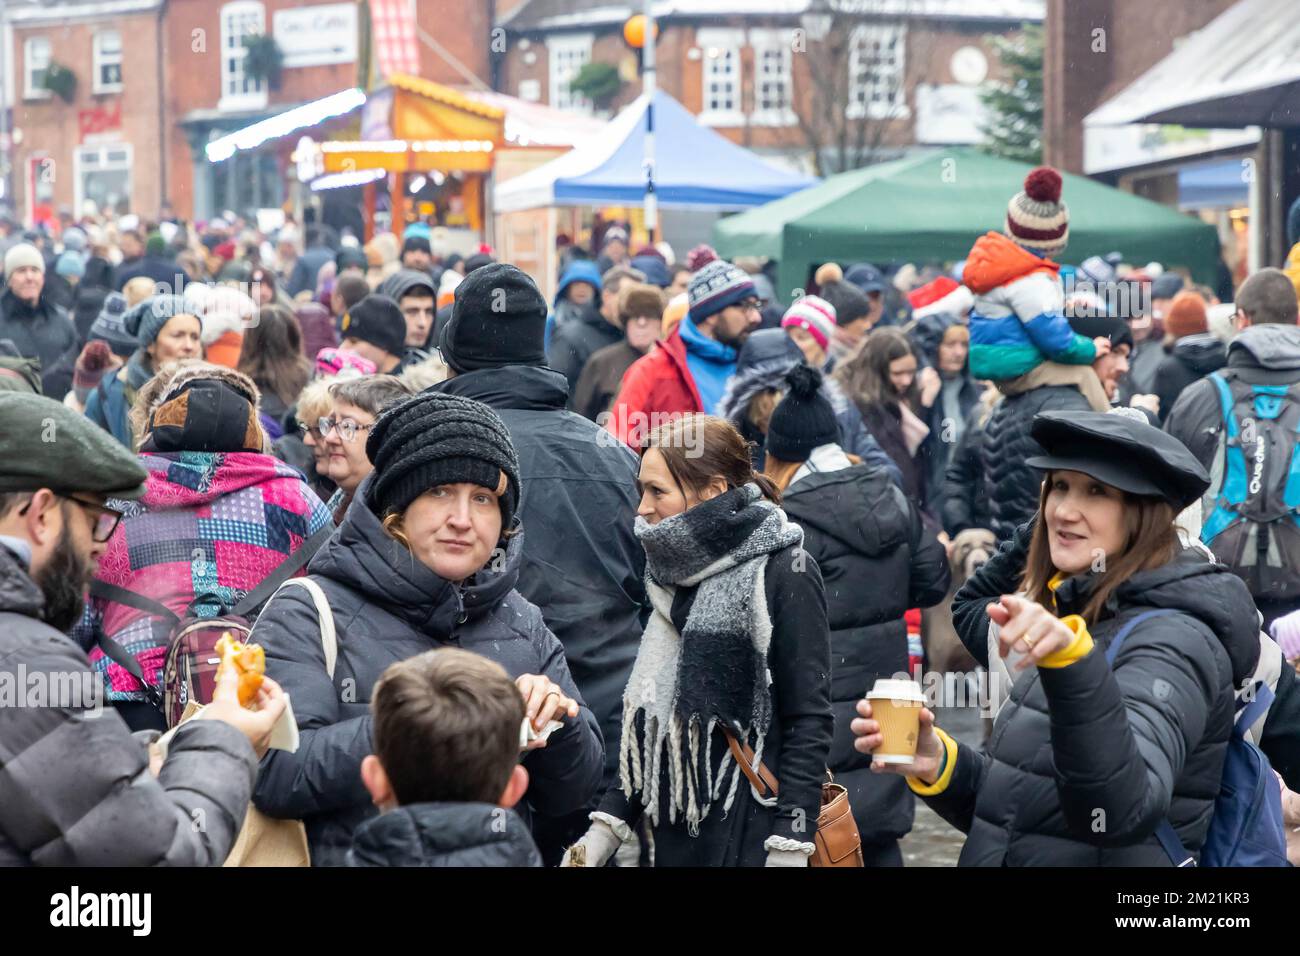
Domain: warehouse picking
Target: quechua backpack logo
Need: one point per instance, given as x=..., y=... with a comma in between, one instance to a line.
x=1252, y=508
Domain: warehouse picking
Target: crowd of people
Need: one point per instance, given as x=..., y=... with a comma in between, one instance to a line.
x=579, y=582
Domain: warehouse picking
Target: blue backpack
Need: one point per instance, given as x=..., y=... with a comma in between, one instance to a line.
x=1252, y=507
x=1246, y=828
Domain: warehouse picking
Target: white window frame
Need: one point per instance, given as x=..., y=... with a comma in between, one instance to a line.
x=716, y=44
x=254, y=98
x=567, y=53
x=100, y=59
x=765, y=42
x=897, y=107
x=80, y=168
x=32, y=91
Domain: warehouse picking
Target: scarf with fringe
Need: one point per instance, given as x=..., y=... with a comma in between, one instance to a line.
x=715, y=672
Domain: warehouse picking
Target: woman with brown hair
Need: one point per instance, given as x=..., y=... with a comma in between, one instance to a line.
x=271, y=355
x=736, y=647
x=1125, y=648
x=881, y=379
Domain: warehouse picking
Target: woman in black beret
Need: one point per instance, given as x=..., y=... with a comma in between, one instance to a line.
x=1094, y=762
x=427, y=556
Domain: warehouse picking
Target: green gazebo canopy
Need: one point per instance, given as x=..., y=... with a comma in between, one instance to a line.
x=931, y=207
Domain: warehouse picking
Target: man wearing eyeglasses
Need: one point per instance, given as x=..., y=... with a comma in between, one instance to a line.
x=78, y=787
x=688, y=371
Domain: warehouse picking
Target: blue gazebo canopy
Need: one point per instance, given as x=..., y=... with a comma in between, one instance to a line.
x=695, y=168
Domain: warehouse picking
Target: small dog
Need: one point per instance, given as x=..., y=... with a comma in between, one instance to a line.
x=944, y=651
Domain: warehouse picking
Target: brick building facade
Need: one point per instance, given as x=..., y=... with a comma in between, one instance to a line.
x=208, y=96
x=907, y=81
x=98, y=143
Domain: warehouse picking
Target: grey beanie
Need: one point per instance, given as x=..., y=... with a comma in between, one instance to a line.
x=147, y=319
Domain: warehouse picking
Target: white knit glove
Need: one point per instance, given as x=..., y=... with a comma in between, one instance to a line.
x=786, y=858
x=594, y=848
x=783, y=851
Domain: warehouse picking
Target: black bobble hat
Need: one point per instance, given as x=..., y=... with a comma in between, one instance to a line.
x=376, y=319
x=803, y=420
x=498, y=319
x=438, y=439
x=1121, y=452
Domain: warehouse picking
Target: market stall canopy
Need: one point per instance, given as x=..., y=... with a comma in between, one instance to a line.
x=932, y=207
x=694, y=168
x=415, y=125
x=1221, y=185
x=538, y=125
x=526, y=124
x=1240, y=69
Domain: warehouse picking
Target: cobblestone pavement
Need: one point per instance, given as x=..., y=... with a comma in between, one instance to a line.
x=933, y=842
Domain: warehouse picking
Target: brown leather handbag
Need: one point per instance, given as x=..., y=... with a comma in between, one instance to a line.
x=837, y=839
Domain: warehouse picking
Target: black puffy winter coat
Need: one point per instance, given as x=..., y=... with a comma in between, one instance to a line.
x=388, y=607
x=1011, y=485
x=1084, y=761
x=582, y=565
x=444, y=834
x=876, y=561
x=965, y=505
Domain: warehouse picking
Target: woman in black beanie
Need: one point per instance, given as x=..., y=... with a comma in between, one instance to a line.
x=427, y=558
x=859, y=527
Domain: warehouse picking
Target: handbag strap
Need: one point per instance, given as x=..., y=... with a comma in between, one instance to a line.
x=762, y=779
x=328, y=635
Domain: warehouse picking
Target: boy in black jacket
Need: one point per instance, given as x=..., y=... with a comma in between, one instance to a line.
x=445, y=771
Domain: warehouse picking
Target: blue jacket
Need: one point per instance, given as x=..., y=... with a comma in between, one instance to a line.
x=580, y=270
x=110, y=401
x=711, y=363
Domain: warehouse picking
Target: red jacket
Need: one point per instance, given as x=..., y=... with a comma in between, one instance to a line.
x=656, y=388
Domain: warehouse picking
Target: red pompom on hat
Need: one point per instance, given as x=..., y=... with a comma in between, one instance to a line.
x=1036, y=217
x=699, y=257
x=1043, y=184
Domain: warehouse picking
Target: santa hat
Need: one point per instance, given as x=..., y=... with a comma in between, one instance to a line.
x=943, y=296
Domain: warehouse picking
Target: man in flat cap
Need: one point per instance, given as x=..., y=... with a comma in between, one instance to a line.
x=78, y=787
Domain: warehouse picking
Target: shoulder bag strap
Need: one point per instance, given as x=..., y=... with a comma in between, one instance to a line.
x=328, y=636
x=1165, y=832
x=124, y=659
x=291, y=565
x=762, y=779
x=121, y=595
x=1118, y=641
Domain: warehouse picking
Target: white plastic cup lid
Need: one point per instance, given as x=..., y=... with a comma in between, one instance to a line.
x=896, y=690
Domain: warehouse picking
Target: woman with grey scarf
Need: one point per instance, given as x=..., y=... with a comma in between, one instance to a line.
x=738, y=645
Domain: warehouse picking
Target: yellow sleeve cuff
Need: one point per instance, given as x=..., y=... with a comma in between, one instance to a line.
x=950, y=764
x=1076, y=649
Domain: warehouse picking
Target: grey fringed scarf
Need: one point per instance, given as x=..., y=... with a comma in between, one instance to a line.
x=715, y=671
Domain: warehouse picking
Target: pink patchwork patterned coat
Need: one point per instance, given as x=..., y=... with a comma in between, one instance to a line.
x=209, y=528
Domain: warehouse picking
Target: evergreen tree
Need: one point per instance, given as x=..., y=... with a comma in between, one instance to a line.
x=1014, y=125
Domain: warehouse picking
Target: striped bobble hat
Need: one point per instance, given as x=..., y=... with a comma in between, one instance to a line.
x=716, y=286
x=1036, y=217
x=814, y=315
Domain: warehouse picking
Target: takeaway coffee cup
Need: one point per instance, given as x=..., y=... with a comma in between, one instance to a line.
x=896, y=706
